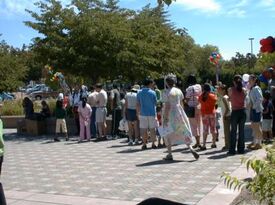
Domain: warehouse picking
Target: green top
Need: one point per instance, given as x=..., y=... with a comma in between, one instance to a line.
x=60, y=113
x=158, y=93
x=1, y=139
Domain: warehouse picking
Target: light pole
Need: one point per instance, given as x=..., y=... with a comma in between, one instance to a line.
x=251, y=44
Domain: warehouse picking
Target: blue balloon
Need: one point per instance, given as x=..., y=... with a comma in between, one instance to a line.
x=263, y=79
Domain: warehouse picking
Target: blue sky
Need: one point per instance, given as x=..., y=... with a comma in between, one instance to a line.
x=225, y=23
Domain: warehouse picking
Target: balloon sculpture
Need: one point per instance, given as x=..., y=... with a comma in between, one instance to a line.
x=215, y=58
x=267, y=45
x=58, y=76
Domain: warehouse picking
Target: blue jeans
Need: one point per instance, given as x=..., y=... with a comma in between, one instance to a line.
x=93, y=123
x=238, y=118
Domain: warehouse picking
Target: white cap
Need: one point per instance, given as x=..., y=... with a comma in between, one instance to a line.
x=60, y=96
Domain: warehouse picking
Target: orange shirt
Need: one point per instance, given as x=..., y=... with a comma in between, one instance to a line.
x=208, y=106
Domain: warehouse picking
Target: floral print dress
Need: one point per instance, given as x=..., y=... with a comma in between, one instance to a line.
x=177, y=118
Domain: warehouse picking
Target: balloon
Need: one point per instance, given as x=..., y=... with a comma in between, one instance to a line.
x=245, y=77
x=215, y=58
x=262, y=42
x=267, y=45
x=263, y=79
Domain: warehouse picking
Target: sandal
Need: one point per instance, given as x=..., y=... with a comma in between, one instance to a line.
x=213, y=146
x=195, y=154
x=203, y=148
x=169, y=157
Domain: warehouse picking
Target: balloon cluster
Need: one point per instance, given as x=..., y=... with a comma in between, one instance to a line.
x=58, y=76
x=267, y=45
x=215, y=58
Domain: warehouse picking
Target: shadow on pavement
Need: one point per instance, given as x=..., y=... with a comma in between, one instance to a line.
x=214, y=152
x=225, y=155
x=181, y=149
x=131, y=151
x=49, y=142
x=76, y=142
x=27, y=138
x=159, y=162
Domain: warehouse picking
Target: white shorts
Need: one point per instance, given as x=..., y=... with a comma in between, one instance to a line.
x=267, y=125
x=60, y=126
x=100, y=115
x=148, y=122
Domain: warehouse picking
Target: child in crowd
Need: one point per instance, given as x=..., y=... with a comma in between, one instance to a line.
x=208, y=101
x=226, y=113
x=267, y=117
x=85, y=112
x=60, y=114
x=218, y=117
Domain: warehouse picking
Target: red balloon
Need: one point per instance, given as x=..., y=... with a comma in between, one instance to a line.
x=269, y=40
x=269, y=48
x=264, y=42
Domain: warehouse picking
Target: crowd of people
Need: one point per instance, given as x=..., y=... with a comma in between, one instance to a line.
x=170, y=117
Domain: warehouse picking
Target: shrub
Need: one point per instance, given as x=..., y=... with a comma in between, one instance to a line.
x=262, y=186
x=15, y=107
x=12, y=108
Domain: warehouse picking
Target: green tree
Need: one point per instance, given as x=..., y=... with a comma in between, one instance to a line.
x=97, y=40
x=12, y=67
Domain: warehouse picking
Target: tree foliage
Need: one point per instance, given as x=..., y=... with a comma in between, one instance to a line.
x=12, y=67
x=99, y=40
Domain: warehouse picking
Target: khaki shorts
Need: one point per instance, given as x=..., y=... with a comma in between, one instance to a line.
x=61, y=123
x=148, y=122
x=100, y=115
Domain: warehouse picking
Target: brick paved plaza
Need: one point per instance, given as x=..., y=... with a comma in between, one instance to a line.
x=109, y=170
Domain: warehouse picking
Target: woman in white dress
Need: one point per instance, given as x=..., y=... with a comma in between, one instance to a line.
x=176, y=119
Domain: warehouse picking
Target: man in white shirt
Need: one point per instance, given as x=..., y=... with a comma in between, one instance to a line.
x=92, y=102
x=101, y=111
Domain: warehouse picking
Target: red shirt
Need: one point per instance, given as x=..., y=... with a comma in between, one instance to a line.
x=208, y=106
x=237, y=99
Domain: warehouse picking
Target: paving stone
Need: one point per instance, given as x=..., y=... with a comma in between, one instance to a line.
x=103, y=170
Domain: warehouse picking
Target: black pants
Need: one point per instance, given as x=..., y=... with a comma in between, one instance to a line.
x=116, y=117
x=76, y=118
x=238, y=118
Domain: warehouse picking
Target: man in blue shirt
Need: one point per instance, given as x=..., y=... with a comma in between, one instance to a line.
x=146, y=110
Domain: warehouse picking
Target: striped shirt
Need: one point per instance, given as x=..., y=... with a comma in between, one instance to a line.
x=192, y=93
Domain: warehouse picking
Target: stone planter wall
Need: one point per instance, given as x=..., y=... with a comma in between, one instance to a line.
x=46, y=127
x=11, y=121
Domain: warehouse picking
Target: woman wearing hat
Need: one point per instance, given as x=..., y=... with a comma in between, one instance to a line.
x=176, y=119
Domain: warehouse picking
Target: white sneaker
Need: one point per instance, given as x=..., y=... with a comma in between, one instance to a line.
x=130, y=143
x=109, y=137
x=136, y=141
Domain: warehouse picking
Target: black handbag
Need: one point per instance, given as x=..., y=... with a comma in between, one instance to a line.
x=190, y=111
